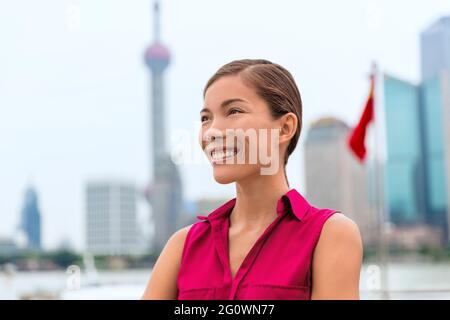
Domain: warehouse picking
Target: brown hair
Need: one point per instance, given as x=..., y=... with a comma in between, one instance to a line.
x=273, y=83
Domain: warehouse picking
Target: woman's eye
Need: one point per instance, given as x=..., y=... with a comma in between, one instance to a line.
x=233, y=111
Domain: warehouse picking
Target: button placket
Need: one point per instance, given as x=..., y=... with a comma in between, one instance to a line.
x=251, y=256
x=220, y=230
x=217, y=229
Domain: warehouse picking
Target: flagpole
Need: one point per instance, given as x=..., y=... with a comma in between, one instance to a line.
x=379, y=185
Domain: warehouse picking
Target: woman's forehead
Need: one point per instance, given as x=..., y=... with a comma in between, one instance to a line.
x=226, y=88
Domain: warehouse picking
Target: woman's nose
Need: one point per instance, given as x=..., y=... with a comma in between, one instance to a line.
x=212, y=134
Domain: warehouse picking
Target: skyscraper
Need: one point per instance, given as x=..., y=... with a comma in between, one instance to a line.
x=165, y=191
x=446, y=130
x=432, y=115
x=111, y=220
x=31, y=219
x=405, y=187
x=435, y=48
x=418, y=137
x=416, y=188
x=334, y=178
x=435, y=109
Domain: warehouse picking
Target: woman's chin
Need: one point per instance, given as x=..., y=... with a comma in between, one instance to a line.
x=224, y=179
x=224, y=174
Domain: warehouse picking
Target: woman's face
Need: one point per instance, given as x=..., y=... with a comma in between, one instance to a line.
x=238, y=134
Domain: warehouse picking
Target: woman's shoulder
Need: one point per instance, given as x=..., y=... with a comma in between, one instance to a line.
x=339, y=222
x=179, y=237
x=337, y=259
x=194, y=230
x=340, y=230
x=162, y=283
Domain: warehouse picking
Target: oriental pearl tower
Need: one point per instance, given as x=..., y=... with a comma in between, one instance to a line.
x=165, y=190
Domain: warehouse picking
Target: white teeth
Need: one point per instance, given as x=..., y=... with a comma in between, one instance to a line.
x=219, y=155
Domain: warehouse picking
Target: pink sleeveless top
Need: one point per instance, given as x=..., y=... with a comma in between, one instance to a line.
x=277, y=267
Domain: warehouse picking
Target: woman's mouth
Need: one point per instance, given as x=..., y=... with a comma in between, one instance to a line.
x=221, y=155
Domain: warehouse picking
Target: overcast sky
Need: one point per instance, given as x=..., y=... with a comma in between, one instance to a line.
x=74, y=97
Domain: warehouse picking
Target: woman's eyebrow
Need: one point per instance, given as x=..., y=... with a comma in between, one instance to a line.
x=224, y=104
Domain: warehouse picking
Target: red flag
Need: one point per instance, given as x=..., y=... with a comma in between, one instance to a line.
x=356, y=139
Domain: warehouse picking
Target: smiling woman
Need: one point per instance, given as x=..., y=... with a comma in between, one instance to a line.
x=268, y=242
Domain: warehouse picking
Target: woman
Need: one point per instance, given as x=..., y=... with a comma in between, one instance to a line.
x=268, y=242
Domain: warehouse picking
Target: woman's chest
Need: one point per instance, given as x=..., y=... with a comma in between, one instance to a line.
x=240, y=243
x=248, y=266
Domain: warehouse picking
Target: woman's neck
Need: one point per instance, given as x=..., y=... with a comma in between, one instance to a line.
x=256, y=199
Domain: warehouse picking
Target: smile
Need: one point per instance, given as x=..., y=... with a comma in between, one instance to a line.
x=222, y=154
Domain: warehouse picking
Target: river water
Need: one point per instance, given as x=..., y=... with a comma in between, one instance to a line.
x=405, y=281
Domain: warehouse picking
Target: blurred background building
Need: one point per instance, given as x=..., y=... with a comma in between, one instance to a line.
x=405, y=181
x=8, y=246
x=30, y=225
x=111, y=219
x=200, y=207
x=334, y=177
x=417, y=121
x=435, y=48
x=417, y=167
x=435, y=99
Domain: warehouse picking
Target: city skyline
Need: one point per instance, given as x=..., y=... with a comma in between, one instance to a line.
x=84, y=97
x=418, y=150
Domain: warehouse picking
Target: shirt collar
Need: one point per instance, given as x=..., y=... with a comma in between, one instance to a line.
x=290, y=200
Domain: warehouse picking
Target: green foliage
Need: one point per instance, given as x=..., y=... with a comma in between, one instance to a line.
x=56, y=259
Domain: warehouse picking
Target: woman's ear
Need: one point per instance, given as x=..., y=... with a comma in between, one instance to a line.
x=288, y=125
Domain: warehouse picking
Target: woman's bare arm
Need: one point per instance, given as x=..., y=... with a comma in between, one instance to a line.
x=337, y=260
x=162, y=284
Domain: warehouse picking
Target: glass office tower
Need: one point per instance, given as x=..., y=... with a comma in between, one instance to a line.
x=435, y=105
x=433, y=152
x=404, y=178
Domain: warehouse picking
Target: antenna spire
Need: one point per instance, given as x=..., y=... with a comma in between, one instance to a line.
x=156, y=20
